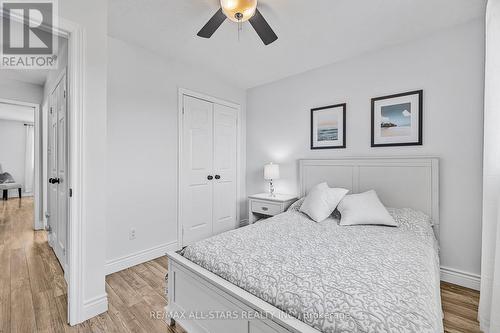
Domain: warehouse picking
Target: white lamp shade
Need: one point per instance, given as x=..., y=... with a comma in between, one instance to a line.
x=271, y=171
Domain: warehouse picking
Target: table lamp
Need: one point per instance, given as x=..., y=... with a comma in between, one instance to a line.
x=271, y=171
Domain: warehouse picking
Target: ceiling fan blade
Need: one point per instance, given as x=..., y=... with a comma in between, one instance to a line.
x=262, y=28
x=212, y=25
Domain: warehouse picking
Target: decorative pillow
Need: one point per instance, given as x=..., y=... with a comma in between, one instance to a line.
x=295, y=207
x=6, y=178
x=322, y=201
x=364, y=208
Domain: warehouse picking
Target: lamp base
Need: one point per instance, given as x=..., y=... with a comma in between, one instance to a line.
x=271, y=190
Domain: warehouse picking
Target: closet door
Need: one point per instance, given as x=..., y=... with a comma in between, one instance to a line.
x=197, y=162
x=225, y=164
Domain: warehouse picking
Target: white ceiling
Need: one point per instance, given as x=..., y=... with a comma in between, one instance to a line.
x=312, y=33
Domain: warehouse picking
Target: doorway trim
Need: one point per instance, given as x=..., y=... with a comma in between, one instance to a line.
x=77, y=309
x=180, y=103
x=37, y=221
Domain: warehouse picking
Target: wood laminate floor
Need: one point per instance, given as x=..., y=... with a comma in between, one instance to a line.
x=33, y=290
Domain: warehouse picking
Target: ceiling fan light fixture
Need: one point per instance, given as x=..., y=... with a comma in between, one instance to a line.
x=239, y=10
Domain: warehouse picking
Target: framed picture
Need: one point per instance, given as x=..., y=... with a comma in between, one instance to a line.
x=328, y=127
x=397, y=119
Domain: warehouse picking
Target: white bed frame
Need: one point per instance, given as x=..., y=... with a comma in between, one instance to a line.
x=196, y=296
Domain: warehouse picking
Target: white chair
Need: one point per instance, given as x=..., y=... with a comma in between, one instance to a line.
x=10, y=186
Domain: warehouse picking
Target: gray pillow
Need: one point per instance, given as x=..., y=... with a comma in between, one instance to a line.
x=6, y=178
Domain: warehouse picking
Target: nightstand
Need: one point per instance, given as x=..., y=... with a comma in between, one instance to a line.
x=263, y=205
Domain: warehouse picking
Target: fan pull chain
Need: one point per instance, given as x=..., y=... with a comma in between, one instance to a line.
x=240, y=27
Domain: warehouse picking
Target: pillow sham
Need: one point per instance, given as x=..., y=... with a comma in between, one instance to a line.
x=322, y=201
x=295, y=207
x=364, y=209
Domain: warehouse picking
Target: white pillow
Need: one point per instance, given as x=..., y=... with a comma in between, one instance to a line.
x=364, y=208
x=322, y=201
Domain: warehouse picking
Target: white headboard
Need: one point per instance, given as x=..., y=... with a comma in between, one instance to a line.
x=399, y=182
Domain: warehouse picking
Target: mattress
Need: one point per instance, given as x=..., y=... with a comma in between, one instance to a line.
x=335, y=278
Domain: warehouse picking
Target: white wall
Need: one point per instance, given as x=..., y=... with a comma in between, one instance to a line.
x=17, y=112
x=12, y=150
x=447, y=65
x=142, y=149
x=92, y=16
x=20, y=91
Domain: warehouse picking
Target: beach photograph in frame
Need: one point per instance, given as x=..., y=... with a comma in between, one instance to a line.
x=328, y=127
x=397, y=120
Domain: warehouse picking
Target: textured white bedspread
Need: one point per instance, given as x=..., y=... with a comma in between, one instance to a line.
x=334, y=278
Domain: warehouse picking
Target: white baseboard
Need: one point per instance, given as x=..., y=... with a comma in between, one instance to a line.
x=458, y=277
x=94, y=307
x=40, y=225
x=243, y=223
x=119, y=264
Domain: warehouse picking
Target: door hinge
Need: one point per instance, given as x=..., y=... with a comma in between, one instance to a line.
x=51, y=110
x=70, y=192
x=64, y=93
x=182, y=110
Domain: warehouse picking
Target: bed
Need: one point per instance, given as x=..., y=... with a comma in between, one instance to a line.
x=289, y=274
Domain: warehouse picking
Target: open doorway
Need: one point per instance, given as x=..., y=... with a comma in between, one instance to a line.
x=34, y=221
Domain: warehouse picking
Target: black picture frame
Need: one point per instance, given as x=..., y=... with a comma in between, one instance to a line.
x=344, y=111
x=419, y=142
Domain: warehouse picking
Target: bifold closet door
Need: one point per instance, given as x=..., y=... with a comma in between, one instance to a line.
x=197, y=165
x=225, y=164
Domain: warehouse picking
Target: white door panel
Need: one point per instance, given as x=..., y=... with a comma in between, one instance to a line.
x=197, y=164
x=209, y=160
x=225, y=141
x=52, y=169
x=61, y=173
x=57, y=170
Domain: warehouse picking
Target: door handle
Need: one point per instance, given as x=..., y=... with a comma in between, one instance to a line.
x=54, y=180
x=217, y=177
x=210, y=177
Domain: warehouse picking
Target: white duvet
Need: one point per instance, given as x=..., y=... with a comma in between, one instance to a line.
x=335, y=278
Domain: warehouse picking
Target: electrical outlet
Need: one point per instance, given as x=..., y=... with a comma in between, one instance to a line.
x=131, y=235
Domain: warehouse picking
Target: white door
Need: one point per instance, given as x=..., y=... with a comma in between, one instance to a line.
x=197, y=161
x=225, y=162
x=52, y=169
x=57, y=172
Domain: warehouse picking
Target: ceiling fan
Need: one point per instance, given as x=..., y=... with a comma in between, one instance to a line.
x=240, y=11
